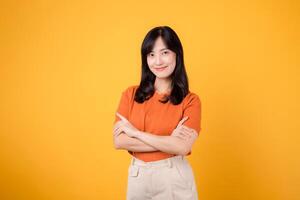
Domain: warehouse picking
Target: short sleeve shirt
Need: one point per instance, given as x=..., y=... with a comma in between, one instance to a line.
x=158, y=118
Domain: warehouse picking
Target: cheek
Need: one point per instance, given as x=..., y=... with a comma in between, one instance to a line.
x=149, y=62
x=171, y=62
x=171, y=59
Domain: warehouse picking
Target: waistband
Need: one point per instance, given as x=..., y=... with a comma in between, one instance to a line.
x=163, y=162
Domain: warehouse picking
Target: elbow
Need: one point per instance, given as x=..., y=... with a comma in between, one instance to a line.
x=120, y=142
x=116, y=144
x=184, y=150
x=116, y=147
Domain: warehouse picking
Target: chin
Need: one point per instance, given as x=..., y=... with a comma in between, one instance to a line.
x=162, y=75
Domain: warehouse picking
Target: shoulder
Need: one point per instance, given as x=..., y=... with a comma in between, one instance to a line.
x=191, y=98
x=129, y=91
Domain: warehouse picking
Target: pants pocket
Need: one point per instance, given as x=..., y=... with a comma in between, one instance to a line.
x=135, y=184
x=185, y=173
x=183, y=186
x=133, y=171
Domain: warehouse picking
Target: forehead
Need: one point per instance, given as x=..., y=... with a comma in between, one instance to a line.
x=159, y=44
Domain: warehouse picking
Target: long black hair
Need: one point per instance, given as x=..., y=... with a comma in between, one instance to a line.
x=179, y=79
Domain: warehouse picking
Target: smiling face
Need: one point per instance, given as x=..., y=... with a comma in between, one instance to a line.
x=161, y=60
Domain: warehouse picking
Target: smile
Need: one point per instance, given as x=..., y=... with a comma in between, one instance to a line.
x=161, y=68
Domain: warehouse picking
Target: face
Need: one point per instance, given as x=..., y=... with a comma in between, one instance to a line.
x=161, y=60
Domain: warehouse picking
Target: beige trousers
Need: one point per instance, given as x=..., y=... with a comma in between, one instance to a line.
x=167, y=179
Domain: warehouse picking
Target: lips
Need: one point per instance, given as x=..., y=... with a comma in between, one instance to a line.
x=160, y=68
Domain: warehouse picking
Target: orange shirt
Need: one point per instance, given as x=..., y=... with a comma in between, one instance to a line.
x=157, y=118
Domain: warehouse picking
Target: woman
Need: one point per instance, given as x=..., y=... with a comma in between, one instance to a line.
x=158, y=121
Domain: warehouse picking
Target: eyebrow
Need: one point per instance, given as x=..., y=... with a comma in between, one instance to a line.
x=161, y=49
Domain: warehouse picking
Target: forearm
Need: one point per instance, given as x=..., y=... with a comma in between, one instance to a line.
x=125, y=142
x=167, y=144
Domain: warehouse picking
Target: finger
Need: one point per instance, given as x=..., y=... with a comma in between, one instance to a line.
x=118, y=124
x=116, y=129
x=180, y=137
x=182, y=121
x=175, y=133
x=183, y=136
x=192, y=134
x=186, y=135
x=185, y=132
x=179, y=132
x=119, y=121
x=118, y=132
x=182, y=129
x=121, y=117
x=190, y=130
x=186, y=128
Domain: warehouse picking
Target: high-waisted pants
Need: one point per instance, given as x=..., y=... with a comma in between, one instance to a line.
x=166, y=179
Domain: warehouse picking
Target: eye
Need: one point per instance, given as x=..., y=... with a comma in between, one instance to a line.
x=165, y=52
x=150, y=54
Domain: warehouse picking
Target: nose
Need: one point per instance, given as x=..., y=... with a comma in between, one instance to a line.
x=158, y=61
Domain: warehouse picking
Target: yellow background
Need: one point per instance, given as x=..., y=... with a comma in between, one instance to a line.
x=64, y=65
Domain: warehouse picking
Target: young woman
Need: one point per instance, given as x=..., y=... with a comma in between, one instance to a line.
x=158, y=121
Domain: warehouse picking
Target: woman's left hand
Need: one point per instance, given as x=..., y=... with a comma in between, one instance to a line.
x=125, y=126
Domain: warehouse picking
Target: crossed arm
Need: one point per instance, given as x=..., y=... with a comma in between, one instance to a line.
x=129, y=138
x=147, y=142
x=123, y=141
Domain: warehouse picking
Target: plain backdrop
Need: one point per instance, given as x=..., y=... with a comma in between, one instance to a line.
x=64, y=64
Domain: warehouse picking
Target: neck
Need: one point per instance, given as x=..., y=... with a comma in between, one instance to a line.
x=162, y=85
